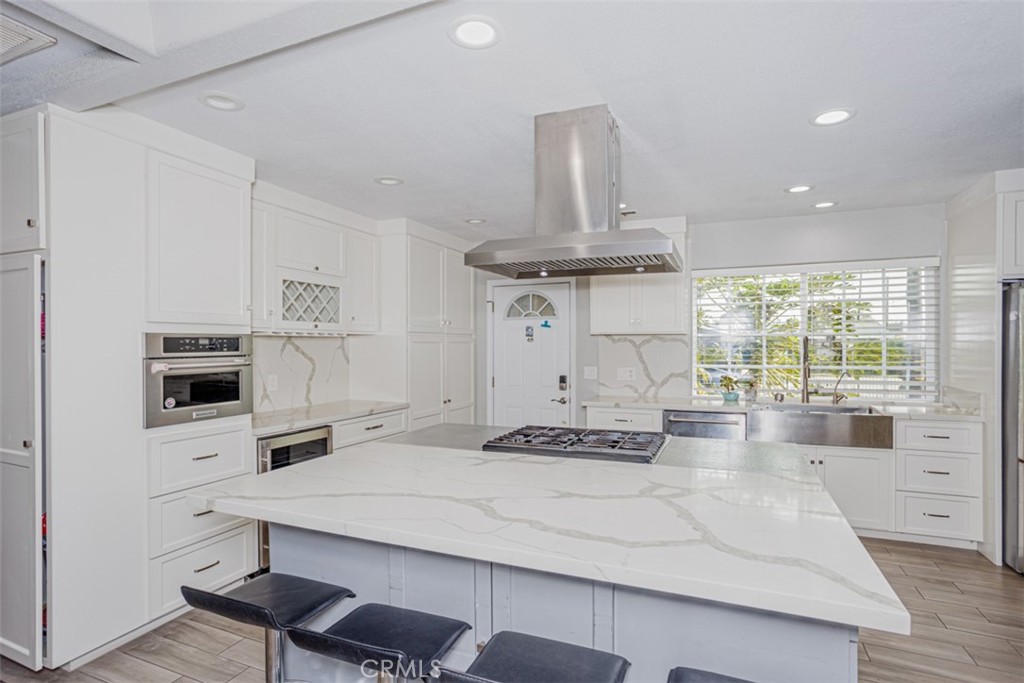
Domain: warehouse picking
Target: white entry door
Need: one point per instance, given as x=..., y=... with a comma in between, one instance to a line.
x=532, y=355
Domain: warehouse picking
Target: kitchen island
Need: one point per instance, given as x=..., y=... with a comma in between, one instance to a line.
x=727, y=556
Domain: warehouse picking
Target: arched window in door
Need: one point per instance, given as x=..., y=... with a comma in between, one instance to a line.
x=531, y=305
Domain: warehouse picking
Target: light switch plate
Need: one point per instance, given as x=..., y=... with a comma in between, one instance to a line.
x=271, y=382
x=589, y=372
x=626, y=374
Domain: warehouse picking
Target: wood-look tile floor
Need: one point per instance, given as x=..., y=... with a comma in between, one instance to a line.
x=967, y=627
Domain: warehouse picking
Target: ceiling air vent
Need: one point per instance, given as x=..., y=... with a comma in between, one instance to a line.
x=17, y=40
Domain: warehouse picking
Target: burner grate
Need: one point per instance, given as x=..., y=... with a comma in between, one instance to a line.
x=601, y=444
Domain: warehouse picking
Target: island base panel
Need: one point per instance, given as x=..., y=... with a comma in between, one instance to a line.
x=655, y=631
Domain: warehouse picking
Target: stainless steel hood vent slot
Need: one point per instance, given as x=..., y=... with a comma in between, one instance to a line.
x=18, y=40
x=576, y=208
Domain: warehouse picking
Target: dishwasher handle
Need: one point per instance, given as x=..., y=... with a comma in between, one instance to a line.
x=705, y=421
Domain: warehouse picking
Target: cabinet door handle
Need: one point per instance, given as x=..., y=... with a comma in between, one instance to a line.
x=368, y=429
x=935, y=436
x=931, y=514
x=205, y=457
x=316, y=268
x=934, y=472
x=203, y=569
x=203, y=513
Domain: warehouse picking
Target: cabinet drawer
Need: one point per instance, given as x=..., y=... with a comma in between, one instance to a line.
x=615, y=418
x=952, y=437
x=187, y=459
x=957, y=475
x=933, y=515
x=207, y=565
x=174, y=524
x=369, y=428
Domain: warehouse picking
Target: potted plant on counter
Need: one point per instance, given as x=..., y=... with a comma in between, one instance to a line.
x=753, y=384
x=728, y=386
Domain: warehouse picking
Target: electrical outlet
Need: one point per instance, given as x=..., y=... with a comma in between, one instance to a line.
x=589, y=372
x=626, y=374
x=271, y=382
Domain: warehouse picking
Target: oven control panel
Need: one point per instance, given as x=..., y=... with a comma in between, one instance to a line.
x=202, y=345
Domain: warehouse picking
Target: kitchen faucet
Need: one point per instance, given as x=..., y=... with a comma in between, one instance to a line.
x=836, y=396
x=805, y=372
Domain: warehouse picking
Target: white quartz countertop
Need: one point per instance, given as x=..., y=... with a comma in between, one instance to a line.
x=927, y=411
x=320, y=414
x=741, y=523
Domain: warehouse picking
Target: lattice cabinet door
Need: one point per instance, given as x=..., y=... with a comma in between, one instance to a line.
x=309, y=303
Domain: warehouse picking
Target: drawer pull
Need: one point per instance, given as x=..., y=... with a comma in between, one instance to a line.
x=368, y=429
x=932, y=514
x=621, y=419
x=935, y=472
x=936, y=436
x=203, y=513
x=203, y=569
x=205, y=457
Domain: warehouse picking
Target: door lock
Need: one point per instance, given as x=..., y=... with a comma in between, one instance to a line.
x=563, y=382
x=562, y=400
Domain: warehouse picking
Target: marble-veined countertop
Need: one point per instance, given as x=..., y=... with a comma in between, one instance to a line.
x=742, y=523
x=924, y=411
x=289, y=419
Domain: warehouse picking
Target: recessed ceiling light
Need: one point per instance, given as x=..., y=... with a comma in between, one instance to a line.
x=389, y=180
x=475, y=33
x=831, y=117
x=796, y=189
x=825, y=205
x=476, y=221
x=221, y=101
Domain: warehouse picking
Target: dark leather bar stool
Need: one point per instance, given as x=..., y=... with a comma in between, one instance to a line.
x=511, y=657
x=682, y=674
x=393, y=641
x=274, y=602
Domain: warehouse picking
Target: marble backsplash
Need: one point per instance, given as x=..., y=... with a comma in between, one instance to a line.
x=309, y=371
x=661, y=362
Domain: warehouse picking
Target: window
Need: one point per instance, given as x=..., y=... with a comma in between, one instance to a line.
x=878, y=324
x=531, y=305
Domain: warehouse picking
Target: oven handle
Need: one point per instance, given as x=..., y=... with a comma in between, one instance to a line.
x=690, y=420
x=157, y=368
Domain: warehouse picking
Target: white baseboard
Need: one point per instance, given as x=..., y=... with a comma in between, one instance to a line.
x=917, y=538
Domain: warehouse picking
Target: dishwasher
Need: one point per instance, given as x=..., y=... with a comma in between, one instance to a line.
x=705, y=424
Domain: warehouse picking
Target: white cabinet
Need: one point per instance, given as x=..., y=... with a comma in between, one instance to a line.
x=1013, y=234
x=646, y=303
x=440, y=289
x=621, y=418
x=362, y=287
x=311, y=275
x=637, y=304
x=939, y=478
x=308, y=243
x=440, y=379
x=22, y=184
x=198, y=243
x=860, y=481
x=370, y=428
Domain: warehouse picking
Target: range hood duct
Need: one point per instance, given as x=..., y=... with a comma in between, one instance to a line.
x=576, y=208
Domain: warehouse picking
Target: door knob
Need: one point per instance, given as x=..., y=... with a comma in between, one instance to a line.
x=562, y=400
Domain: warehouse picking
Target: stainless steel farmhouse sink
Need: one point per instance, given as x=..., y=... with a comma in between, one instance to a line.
x=820, y=425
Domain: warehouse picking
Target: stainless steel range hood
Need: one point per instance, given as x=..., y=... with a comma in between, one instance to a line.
x=576, y=208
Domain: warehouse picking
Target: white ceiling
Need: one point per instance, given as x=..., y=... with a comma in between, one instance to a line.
x=713, y=100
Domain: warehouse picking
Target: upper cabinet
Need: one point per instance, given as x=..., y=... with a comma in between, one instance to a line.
x=1013, y=234
x=310, y=244
x=639, y=304
x=311, y=274
x=440, y=289
x=22, y=185
x=198, y=243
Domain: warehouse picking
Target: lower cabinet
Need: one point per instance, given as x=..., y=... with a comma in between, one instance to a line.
x=860, y=481
x=371, y=428
x=187, y=546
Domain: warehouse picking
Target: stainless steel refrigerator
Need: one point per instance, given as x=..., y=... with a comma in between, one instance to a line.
x=1013, y=425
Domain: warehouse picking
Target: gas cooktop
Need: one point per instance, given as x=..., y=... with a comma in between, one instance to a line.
x=571, y=442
